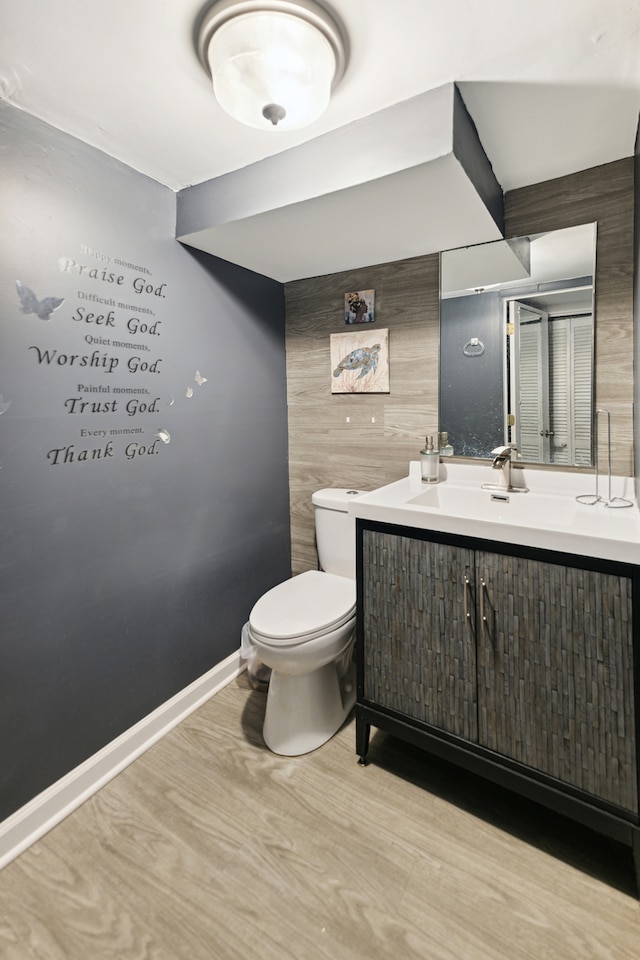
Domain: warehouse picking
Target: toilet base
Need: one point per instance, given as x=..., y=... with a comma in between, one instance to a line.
x=305, y=711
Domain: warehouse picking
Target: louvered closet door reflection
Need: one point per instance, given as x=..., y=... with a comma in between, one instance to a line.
x=555, y=673
x=532, y=391
x=582, y=380
x=419, y=648
x=570, y=389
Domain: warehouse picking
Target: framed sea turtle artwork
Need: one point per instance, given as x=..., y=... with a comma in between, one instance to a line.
x=360, y=362
x=359, y=306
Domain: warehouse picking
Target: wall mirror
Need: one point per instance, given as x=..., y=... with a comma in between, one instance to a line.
x=517, y=346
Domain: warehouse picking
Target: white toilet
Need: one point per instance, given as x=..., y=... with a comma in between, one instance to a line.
x=304, y=629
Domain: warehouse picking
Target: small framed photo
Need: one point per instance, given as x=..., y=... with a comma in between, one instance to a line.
x=359, y=306
x=360, y=362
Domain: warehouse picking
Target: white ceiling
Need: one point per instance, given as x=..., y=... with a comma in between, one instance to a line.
x=552, y=85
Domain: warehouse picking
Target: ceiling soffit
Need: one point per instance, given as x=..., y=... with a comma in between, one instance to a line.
x=408, y=180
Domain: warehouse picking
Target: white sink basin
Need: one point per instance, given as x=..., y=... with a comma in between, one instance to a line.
x=548, y=516
x=498, y=506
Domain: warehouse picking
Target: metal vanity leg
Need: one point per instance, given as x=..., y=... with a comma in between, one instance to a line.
x=363, y=731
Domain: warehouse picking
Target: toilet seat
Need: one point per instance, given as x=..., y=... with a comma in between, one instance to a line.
x=304, y=607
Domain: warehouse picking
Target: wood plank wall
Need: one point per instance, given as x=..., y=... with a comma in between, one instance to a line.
x=603, y=194
x=386, y=431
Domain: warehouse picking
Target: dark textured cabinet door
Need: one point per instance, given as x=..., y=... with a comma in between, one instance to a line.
x=555, y=673
x=419, y=646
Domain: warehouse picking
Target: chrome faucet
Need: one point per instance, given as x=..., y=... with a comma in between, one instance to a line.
x=502, y=462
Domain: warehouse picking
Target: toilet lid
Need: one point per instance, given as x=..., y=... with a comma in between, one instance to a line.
x=304, y=607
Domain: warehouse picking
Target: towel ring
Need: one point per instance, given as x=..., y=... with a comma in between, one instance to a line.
x=473, y=347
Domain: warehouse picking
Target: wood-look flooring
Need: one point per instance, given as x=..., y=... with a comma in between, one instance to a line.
x=209, y=847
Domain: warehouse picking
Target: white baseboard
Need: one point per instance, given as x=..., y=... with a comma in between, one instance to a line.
x=39, y=815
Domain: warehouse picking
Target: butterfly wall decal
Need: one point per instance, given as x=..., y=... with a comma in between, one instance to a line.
x=30, y=303
x=199, y=379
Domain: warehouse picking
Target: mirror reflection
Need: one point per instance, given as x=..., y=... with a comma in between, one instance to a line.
x=516, y=347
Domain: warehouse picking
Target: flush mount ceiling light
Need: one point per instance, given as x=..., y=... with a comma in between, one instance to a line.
x=273, y=63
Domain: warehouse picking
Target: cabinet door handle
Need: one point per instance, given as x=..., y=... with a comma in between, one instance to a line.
x=482, y=614
x=467, y=584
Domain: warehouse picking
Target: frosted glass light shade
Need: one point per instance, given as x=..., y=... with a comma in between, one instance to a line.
x=271, y=70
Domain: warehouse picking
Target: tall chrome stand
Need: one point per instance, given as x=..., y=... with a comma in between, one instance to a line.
x=591, y=498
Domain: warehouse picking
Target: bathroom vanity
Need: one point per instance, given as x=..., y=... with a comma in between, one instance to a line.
x=507, y=643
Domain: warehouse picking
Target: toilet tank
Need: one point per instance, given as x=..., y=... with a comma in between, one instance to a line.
x=335, y=530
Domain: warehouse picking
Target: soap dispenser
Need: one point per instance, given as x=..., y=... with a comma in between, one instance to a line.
x=446, y=450
x=430, y=462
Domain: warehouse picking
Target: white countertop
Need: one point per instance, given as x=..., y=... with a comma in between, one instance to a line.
x=548, y=516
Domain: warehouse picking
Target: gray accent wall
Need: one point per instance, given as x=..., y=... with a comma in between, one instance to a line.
x=472, y=387
x=143, y=453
